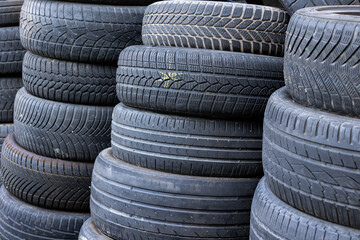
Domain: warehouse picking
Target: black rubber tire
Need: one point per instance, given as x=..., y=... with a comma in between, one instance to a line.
x=5, y=129
x=22, y=221
x=45, y=182
x=117, y=2
x=273, y=219
x=79, y=32
x=311, y=159
x=216, y=25
x=128, y=202
x=197, y=81
x=187, y=145
x=11, y=51
x=70, y=82
x=61, y=130
x=8, y=89
x=293, y=5
x=321, y=61
x=10, y=12
x=90, y=232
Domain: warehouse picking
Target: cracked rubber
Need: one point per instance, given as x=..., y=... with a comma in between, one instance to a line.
x=11, y=51
x=311, y=159
x=187, y=145
x=273, y=219
x=70, y=82
x=322, y=58
x=45, y=182
x=10, y=12
x=216, y=25
x=61, y=130
x=8, y=88
x=20, y=220
x=79, y=32
x=90, y=232
x=133, y=203
x=197, y=81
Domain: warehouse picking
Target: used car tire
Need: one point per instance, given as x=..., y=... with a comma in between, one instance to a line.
x=90, y=232
x=8, y=88
x=10, y=12
x=11, y=51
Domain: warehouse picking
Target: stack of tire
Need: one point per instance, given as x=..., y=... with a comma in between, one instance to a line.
x=62, y=116
x=311, y=151
x=187, y=135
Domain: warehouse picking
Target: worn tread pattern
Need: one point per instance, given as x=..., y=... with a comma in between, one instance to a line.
x=322, y=59
x=216, y=25
x=10, y=12
x=11, y=51
x=8, y=89
x=45, y=182
x=90, y=232
x=79, y=32
x=187, y=145
x=271, y=218
x=311, y=159
x=133, y=203
x=20, y=220
x=61, y=130
x=197, y=82
x=70, y=82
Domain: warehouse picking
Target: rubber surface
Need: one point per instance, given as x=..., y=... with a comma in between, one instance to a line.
x=19, y=221
x=322, y=58
x=311, y=159
x=5, y=129
x=118, y=2
x=60, y=130
x=272, y=219
x=45, y=182
x=10, y=12
x=79, y=32
x=8, y=87
x=128, y=202
x=90, y=232
x=187, y=145
x=11, y=50
x=70, y=82
x=216, y=25
x=197, y=81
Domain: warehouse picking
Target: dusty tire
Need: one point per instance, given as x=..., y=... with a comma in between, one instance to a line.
x=311, y=159
x=60, y=130
x=11, y=51
x=10, y=12
x=45, y=182
x=8, y=89
x=70, y=82
x=128, y=202
x=197, y=82
x=271, y=218
x=79, y=32
x=216, y=25
x=90, y=232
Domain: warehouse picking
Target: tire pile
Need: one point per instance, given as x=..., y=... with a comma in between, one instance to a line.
x=187, y=136
x=311, y=157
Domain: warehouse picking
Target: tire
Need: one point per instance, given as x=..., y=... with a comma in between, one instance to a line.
x=90, y=232
x=5, y=129
x=8, y=89
x=187, y=145
x=197, y=82
x=311, y=160
x=20, y=220
x=60, y=130
x=10, y=12
x=321, y=67
x=11, y=50
x=70, y=82
x=45, y=182
x=216, y=25
x=271, y=218
x=118, y=2
x=79, y=32
x=128, y=202
x=293, y=5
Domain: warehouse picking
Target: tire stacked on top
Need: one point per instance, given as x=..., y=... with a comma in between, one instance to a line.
x=62, y=117
x=187, y=135
x=311, y=154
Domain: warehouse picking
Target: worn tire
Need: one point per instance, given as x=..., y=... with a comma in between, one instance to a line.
x=128, y=202
x=311, y=159
x=90, y=232
x=321, y=60
x=45, y=182
x=60, y=130
x=8, y=89
x=79, y=32
x=216, y=25
x=10, y=12
x=5, y=129
x=187, y=145
x=70, y=82
x=197, y=82
x=11, y=51
x=271, y=218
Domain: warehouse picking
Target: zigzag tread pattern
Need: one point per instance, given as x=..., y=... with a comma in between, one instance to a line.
x=8, y=89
